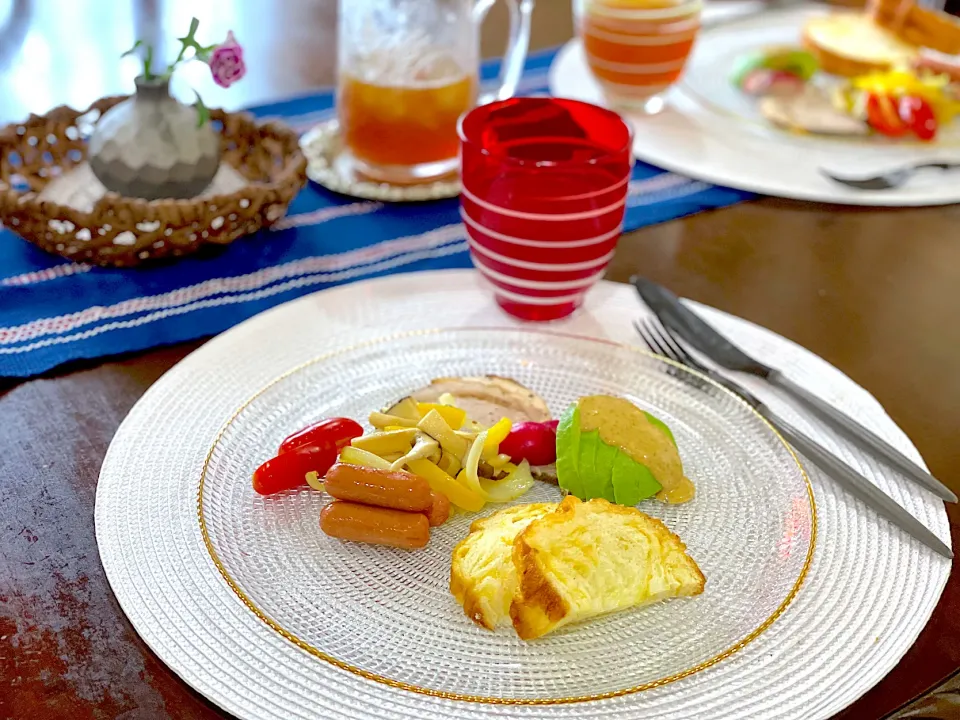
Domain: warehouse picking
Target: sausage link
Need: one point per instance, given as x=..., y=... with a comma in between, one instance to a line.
x=383, y=488
x=439, y=511
x=376, y=525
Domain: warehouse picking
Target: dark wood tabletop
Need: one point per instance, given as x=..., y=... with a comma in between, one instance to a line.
x=875, y=292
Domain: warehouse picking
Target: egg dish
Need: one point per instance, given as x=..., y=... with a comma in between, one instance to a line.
x=543, y=566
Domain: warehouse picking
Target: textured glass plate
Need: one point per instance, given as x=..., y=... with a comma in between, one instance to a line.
x=388, y=615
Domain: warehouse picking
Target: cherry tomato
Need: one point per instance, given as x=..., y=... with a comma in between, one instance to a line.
x=532, y=441
x=335, y=432
x=917, y=115
x=884, y=116
x=288, y=470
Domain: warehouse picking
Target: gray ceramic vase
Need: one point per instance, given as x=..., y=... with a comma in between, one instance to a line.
x=150, y=146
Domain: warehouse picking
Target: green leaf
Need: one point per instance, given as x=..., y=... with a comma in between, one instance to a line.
x=148, y=63
x=203, y=113
x=133, y=50
x=187, y=42
x=190, y=40
x=147, y=57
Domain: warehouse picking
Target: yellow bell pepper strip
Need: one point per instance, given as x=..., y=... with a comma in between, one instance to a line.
x=497, y=433
x=442, y=483
x=454, y=416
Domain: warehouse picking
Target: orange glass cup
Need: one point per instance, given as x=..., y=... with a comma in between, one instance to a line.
x=637, y=49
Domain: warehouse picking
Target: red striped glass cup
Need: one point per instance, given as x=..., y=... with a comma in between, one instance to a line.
x=544, y=192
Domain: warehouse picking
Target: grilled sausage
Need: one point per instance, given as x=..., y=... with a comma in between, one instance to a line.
x=383, y=488
x=376, y=525
x=440, y=511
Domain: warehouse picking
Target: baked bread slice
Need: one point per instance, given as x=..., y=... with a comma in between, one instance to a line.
x=918, y=25
x=482, y=575
x=591, y=558
x=850, y=44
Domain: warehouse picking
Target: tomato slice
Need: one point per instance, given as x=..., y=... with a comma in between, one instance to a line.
x=335, y=432
x=884, y=116
x=917, y=115
x=288, y=470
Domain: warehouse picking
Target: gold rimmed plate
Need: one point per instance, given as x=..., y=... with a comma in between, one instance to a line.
x=279, y=625
x=329, y=164
x=387, y=615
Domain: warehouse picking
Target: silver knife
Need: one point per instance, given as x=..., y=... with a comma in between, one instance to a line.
x=836, y=469
x=855, y=483
x=698, y=334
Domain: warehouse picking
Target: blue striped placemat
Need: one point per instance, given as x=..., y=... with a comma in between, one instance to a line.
x=53, y=311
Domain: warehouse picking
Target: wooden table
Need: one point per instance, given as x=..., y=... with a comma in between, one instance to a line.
x=875, y=292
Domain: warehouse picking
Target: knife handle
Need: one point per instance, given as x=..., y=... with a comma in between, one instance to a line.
x=860, y=436
x=857, y=484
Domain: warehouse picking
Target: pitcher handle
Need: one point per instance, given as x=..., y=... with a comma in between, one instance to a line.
x=511, y=68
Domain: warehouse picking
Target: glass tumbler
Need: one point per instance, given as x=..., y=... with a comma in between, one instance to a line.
x=544, y=192
x=636, y=49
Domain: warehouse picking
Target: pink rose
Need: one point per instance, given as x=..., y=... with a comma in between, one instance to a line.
x=226, y=62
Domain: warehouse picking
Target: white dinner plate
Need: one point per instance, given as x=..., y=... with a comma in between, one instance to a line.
x=810, y=598
x=712, y=132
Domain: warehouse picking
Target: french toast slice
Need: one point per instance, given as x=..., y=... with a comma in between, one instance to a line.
x=591, y=558
x=482, y=574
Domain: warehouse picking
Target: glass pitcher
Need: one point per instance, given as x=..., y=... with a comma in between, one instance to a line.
x=407, y=70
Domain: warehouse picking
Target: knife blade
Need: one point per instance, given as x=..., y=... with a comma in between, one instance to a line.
x=701, y=336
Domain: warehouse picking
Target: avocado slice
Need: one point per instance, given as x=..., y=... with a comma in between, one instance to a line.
x=568, y=452
x=596, y=466
x=587, y=467
x=592, y=486
x=658, y=423
x=603, y=463
x=632, y=481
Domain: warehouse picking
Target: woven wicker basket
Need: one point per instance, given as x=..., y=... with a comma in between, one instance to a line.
x=918, y=25
x=120, y=231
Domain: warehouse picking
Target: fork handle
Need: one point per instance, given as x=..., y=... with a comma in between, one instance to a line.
x=860, y=436
x=857, y=484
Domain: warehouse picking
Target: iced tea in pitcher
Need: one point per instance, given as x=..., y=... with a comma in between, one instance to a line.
x=399, y=115
x=408, y=69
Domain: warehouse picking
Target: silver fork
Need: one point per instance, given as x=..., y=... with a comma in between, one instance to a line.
x=891, y=179
x=660, y=341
